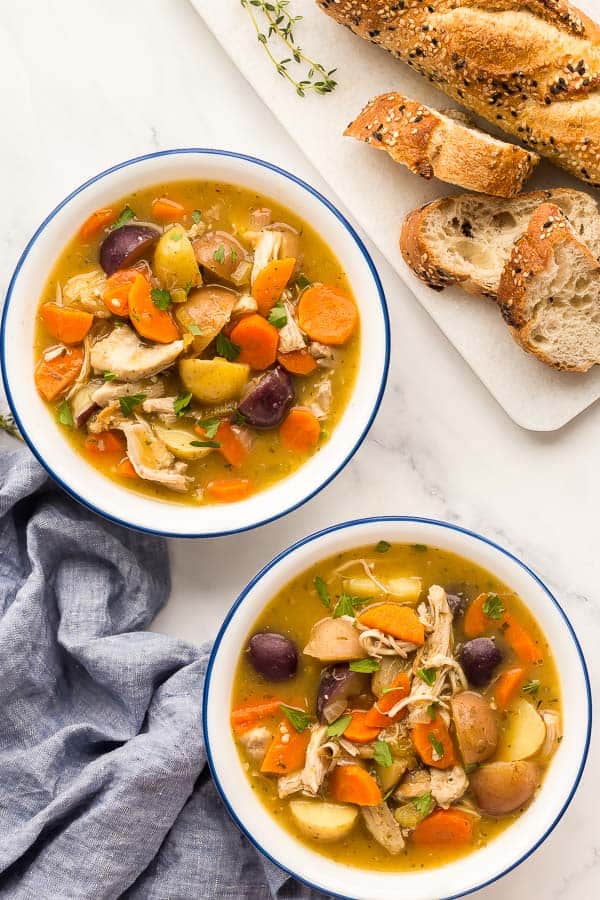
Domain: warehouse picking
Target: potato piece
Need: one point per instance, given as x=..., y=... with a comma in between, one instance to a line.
x=389, y=776
x=214, y=380
x=175, y=263
x=476, y=726
x=332, y=640
x=398, y=588
x=502, y=787
x=525, y=733
x=209, y=310
x=389, y=668
x=179, y=443
x=323, y=821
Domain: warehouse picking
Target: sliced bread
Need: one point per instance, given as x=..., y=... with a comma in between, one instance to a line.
x=468, y=239
x=549, y=293
x=444, y=144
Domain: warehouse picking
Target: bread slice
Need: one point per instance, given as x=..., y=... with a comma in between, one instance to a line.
x=468, y=239
x=549, y=293
x=442, y=144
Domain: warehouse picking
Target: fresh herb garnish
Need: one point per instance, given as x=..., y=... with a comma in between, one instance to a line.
x=382, y=754
x=432, y=710
x=423, y=804
x=470, y=767
x=337, y=728
x=279, y=25
x=125, y=216
x=219, y=254
x=493, y=607
x=322, y=591
x=364, y=665
x=240, y=418
x=427, y=675
x=129, y=402
x=196, y=216
x=303, y=282
x=109, y=376
x=214, y=444
x=209, y=426
x=382, y=547
x=181, y=403
x=531, y=687
x=420, y=548
x=161, y=298
x=278, y=315
x=438, y=747
x=65, y=416
x=299, y=719
x=345, y=605
x=227, y=348
x=194, y=329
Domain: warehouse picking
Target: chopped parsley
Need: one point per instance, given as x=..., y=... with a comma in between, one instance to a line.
x=382, y=547
x=278, y=315
x=240, y=419
x=196, y=216
x=181, y=403
x=302, y=281
x=420, y=548
x=531, y=687
x=432, y=710
x=227, y=348
x=209, y=426
x=219, y=254
x=194, y=329
x=423, y=804
x=470, y=767
x=345, y=605
x=438, y=747
x=364, y=665
x=125, y=216
x=65, y=416
x=109, y=376
x=337, y=728
x=129, y=402
x=427, y=675
x=299, y=719
x=493, y=607
x=214, y=444
x=161, y=298
x=322, y=591
x=382, y=754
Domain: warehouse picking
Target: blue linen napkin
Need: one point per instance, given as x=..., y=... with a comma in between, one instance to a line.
x=104, y=787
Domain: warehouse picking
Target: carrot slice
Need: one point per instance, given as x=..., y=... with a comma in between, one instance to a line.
x=400, y=621
x=125, y=469
x=94, y=224
x=166, y=210
x=300, y=430
x=247, y=716
x=53, y=376
x=442, y=827
x=232, y=446
x=148, y=320
x=287, y=750
x=353, y=784
x=229, y=490
x=270, y=283
x=359, y=731
x=475, y=621
x=66, y=324
x=117, y=290
x=508, y=686
x=258, y=341
x=517, y=636
x=298, y=362
x=327, y=315
x=107, y=442
x=433, y=743
x=400, y=688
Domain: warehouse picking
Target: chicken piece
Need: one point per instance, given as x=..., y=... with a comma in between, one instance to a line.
x=316, y=765
x=320, y=351
x=245, y=305
x=260, y=218
x=161, y=405
x=266, y=249
x=150, y=457
x=112, y=390
x=256, y=742
x=320, y=401
x=123, y=353
x=84, y=373
x=413, y=785
x=448, y=785
x=383, y=826
x=85, y=291
x=109, y=417
x=290, y=336
x=553, y=733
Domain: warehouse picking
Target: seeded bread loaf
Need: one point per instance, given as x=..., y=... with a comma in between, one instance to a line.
x=549, y=293
x=532, y=67
x=435, y=143
x=468, y=239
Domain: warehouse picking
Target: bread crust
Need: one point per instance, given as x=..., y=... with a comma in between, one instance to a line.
x=431, y=143
x=532, y=67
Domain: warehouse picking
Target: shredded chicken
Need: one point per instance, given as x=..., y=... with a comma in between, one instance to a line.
x=112, y=390
x=290, y=336
x=383, y=826
x=158, y=404
x=123, y=353
x=553, y=733
x=448, y=785
x=150, y=457
x=256, y=742
x=84, y=372
x=316, y=765
x=260, y=218
x=85, y=291
x=320, y=401
x=413, y=785
x=244, y=306
x=266, y=248
x=377, y=643
x=109, y=417
x=320, y=351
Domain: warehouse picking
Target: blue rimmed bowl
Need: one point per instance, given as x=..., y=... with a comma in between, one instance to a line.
x=484, y=865
x=42, y=433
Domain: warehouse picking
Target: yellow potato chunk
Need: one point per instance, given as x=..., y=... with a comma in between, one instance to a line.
x=323, y=821
x=214, y=380
x=175, y=263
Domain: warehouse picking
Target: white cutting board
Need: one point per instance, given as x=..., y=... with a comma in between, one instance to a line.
x=378, y=193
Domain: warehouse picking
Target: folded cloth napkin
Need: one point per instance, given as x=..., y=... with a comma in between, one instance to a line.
x=104, y=788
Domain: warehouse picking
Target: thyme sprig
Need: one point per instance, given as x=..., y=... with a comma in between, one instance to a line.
x=279, y=24
x=7, y=423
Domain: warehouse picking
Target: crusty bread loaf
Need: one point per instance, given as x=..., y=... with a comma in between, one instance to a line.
x=434, y=143
x=549, y=293
x=532, y=67
x=468, y=239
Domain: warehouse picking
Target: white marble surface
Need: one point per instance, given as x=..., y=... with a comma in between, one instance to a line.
x=85, y=85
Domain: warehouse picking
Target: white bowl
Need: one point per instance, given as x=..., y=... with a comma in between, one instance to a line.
x=478, y=868
x=43, y=435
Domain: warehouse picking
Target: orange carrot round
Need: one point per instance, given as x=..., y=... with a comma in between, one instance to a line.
x=444, y=827
x=94, y=224
x=508, y=686
x=475, y=621
x=300, y=430
x=270, y=283
x=117, y=290
x=65, y=323
x=53, y=376
x=519, y=639
x=125, y=469
x=400, y=621
x=166, y=210
x=353, y=784
x=287, y=750
x=359, y=731
x=148, y=320
x=107, y=442
x=433, y=743
x=376, y=715
x=298, y=362
x=327, y=315
x=229, y=490
x=258, y=341
x=232, y=446
x=245, y=717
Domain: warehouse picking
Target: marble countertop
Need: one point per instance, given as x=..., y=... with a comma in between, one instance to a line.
x=85, y=85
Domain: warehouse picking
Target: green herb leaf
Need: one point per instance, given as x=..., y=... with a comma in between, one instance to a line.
x=299, y=719
x=65, y=416
x=209, y=426
x=194, y=329
x=303, y=282
x=196, y=216
x=420, y=548
x=125, y=216
x=470, y=767
x=161, y=298
x=427, y=675
x=345, y=605
x=109, y=376
x=493, y=607
x=364, y=665
x=240, y=419
x=129, y=402
x=219, y=254
x=181, y=403
x=531, y=687
x=432, y=710
x=322, y=591
x=278, y=315
x=214, y=444
x=382, y=547
x=337, y=728
x=227, y=348
x=382, y=753
x=438, y=747
x=423, y=804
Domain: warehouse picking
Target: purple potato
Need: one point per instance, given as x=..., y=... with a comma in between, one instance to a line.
x=338, y=683
x=273, y=656
x=82, y=406
x=125, y=245
x=479, y=658
x=266, y=404
x=457, y=601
